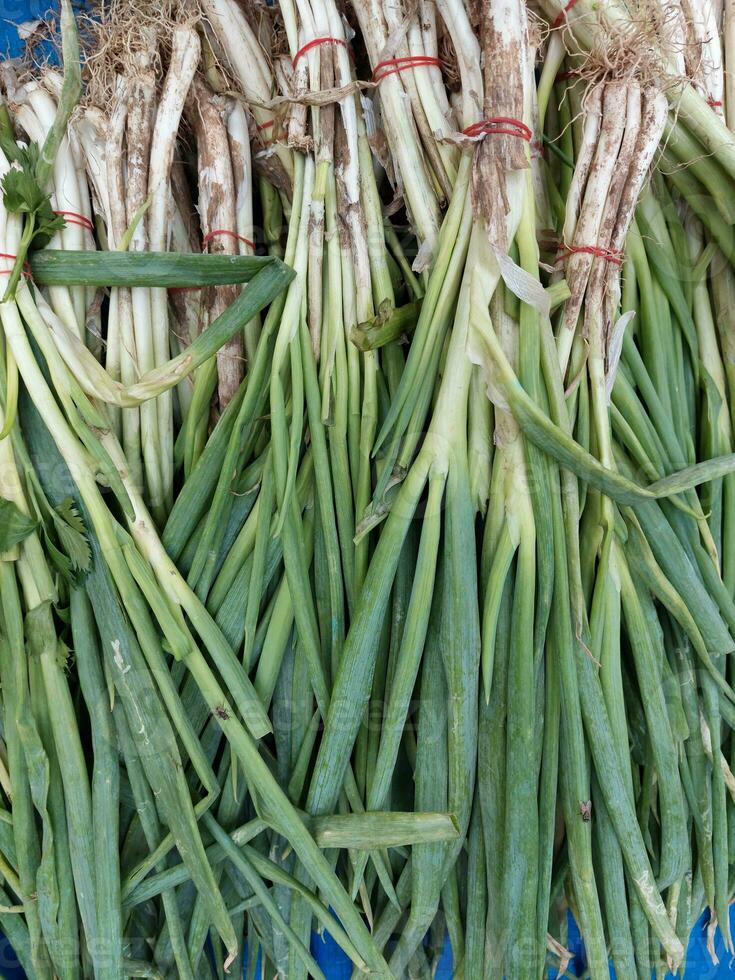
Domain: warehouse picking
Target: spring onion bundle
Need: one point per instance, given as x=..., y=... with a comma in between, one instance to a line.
x=367, y=515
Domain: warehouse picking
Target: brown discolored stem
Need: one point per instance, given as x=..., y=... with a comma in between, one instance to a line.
x=217, y=213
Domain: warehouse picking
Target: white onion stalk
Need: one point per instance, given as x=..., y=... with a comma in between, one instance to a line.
x=185, y=52
x=653, y=114
x=596, y=330
x=242, y=172
x=728, y=58
x=217, y=213
x=122, y=349
x=468, y=51
x=404, y=141
x=370, y=288
x=184, y=305
x=53, y=82
x=348, y=316
x=68, y=302
x=360, y=288
x=184, y=236
x=589, y=131
x=675, y=35
x=427, y=26
x=327, y=21
x=439, y=113
x=93, y=296
x=630, y=126
x=706, y=62
x=90, y=133
x=307, y=75
x=141, y=108
x=587, y=226
x=249, y=64
x=77, y=306
x=28, y=555
x=431, y=116
x=70, y=186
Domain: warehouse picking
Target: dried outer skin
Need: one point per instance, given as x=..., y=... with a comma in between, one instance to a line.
x=217, y=207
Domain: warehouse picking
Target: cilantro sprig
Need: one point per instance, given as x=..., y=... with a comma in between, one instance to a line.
x=23, y=194
x=63, y=532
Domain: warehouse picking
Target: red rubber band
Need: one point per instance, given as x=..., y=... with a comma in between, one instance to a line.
x=562, y=14
x=230, y=234
x=314, y=43
x=266, y=125
x=714, y=103
x=500, y=126
x=395, y=65
x=72, y=218
x=12, y=258
x=608, y=254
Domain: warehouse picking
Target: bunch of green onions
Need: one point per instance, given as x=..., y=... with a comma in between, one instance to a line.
x=367, y=501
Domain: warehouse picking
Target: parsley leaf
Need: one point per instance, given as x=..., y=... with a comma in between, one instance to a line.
x=21, y=192
x=64, y=537
x=72, y=537
x=24, y=193
x=47, y=224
